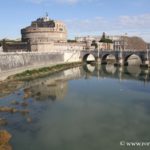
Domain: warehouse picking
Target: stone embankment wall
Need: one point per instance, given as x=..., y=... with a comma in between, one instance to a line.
x=11, y=63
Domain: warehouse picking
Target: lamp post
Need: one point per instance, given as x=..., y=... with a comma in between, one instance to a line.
x=98, y=53
x=120, y=53
x=98, y=63
x=147, y=54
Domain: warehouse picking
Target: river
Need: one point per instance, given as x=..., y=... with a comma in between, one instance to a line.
x=84, y=108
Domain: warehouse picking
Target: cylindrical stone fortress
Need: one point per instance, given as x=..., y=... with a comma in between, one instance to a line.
x=45, y=30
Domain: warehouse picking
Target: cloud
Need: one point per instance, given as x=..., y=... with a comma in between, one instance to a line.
x=90, y=24
x=54, y=1
x=68, y=1
x=133, y=25
x=36, y=1
x=140, y=21
x=63, y=1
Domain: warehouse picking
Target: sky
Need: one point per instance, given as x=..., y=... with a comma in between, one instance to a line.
x=82, y=17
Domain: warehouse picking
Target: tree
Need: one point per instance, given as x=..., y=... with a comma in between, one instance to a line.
x=94, y=44
x=104, y=39
x=71, y=41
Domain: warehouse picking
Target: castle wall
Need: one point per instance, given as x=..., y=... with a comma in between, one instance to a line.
x=69, y=46
x=15, y=47
x=47, y=35
x=42, y=46
x=51, y=46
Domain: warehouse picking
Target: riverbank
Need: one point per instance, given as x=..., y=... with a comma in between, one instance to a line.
x=42, y=72
x=5, y=74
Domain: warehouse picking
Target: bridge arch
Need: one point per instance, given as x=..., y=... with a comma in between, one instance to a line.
x=89, y=58
x=108, y=58
x=133, y=59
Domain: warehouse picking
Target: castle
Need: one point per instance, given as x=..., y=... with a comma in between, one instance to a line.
x=43, y=35
x=45, y=30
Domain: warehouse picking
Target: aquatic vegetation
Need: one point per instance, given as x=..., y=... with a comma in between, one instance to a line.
x=5, y=137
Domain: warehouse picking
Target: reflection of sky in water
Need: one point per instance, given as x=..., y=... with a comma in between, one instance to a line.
x=93, y=115
x=136, y=86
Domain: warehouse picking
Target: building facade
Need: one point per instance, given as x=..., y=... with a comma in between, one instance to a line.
x=119, y=42
x=88, y=38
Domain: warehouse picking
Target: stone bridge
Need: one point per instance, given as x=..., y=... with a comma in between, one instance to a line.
x=121, y=57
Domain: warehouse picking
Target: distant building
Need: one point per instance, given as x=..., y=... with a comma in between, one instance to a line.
x=88, y=38
x=45, y=30
x=119, y=42
x=105, y=46
x=96, y=38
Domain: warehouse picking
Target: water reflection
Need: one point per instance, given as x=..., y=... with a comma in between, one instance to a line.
x=110, y=68
x=56, y=90
x=134, y=71
x=89, y=68
x=123, y=72
x=73, y=110
x=54, y=87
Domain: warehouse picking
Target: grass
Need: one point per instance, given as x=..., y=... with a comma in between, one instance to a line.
x=42, y=72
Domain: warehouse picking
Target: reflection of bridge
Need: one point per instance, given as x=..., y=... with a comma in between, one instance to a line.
x=55, y=86
x=110, y=71
x=121, y=57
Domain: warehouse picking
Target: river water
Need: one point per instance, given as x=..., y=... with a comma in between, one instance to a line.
x=84, y=108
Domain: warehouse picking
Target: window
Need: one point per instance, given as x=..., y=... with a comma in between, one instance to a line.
x=60, y=29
